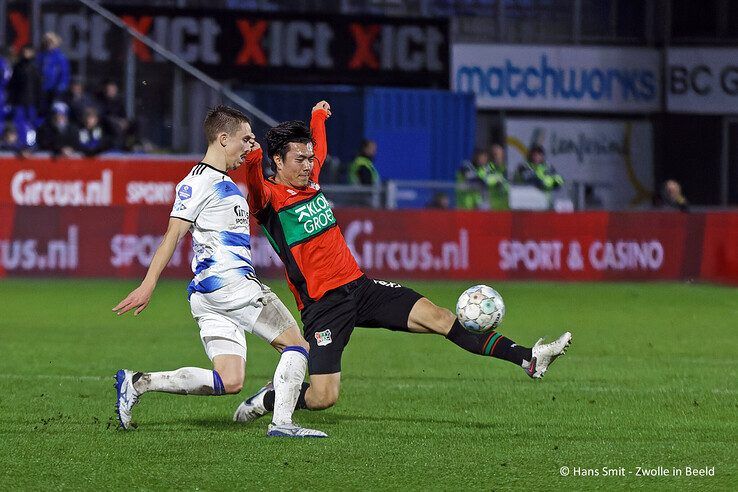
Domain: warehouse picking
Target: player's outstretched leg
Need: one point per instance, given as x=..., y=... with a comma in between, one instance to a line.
x=543, y=355
x=534, y=361
x=427, y=317
x=489, y=344
x=185, y=381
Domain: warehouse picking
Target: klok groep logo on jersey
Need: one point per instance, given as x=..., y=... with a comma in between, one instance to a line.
x=315, y=214
x=185, y=192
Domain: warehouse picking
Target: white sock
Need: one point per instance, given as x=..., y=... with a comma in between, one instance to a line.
x=288, y=378
x=183, y=381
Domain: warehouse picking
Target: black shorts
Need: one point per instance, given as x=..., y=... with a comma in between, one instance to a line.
x=328, y=322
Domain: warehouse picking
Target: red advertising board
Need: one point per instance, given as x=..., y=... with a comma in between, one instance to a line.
x=105, y=218
x=91, y=182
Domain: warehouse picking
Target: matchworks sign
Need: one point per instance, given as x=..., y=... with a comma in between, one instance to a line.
x=622, y=80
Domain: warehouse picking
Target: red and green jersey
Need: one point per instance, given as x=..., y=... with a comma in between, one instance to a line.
x=300, y=226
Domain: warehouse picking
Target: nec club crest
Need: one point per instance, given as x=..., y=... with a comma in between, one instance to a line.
x=323, y=338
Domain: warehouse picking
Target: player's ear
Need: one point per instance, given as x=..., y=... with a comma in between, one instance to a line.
x=277, y=161
x=223, y=139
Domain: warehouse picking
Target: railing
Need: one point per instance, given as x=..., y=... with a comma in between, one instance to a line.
x=394, y=194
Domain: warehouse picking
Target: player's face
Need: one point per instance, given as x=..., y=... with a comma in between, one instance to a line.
x=297, y=164
x=238, y=145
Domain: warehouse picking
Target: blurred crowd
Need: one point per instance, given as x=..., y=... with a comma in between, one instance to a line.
x=488, y=182
x=44, y=108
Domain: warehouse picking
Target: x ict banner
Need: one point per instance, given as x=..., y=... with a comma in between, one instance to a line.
x=255, y=47
x=617, y=80
x=702, y=80
x=106, y=217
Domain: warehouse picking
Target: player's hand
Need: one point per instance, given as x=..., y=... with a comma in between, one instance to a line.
x=323, y=105
x=254, y=146
x=138, y=299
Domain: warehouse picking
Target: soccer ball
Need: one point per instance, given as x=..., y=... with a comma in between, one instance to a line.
x=480, y=309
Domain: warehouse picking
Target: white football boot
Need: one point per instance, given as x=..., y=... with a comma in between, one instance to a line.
x=544, y=354
x=253, y=407
x=292, y=430
x=127, y=398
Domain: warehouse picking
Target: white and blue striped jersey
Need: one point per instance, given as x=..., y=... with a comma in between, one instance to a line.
x=219, y=214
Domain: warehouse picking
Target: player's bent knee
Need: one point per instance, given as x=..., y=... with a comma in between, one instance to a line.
x=321, y=398
x=290, y=338
x=232, y=384
x=323, y=401
x=446, y=316
x=431, y=317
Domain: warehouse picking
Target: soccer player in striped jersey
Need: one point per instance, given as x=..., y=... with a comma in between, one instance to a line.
x=331, y=291
x=226, y=298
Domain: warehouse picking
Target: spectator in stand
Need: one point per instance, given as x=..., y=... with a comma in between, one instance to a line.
x=537, y=172
x=361, y=169
x=672, y=197
x=592, y=200
x=93, y=139
x=440, y=200
x=471, y=197
x=58, y=135
x=496, y=178
x=113, y=115
x=24, y=95
x=482, y=180
x=54, y=68
x=6, y=71
x=78, y=99
x=10, y=141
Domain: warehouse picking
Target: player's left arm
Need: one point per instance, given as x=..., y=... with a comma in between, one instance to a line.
x=321, y=112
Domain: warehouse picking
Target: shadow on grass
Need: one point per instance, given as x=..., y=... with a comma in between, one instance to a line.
x=338, y=418
x=323, y=418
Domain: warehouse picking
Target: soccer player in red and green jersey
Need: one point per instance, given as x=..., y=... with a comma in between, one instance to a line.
x=332, y=293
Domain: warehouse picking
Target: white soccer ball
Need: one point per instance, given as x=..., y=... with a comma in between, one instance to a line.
x=480, y=309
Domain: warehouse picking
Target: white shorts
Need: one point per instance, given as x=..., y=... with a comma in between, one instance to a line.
x=245, y=306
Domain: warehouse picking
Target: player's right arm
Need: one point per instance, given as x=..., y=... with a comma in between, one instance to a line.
x=139, y=298
x=259, y=194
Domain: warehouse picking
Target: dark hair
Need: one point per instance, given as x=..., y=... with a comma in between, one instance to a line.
x=478, y=153
x=223, y=119
x=279, y=138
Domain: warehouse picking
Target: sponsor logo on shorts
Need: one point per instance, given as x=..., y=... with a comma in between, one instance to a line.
x=185, y=192
x=323, y=338
x=387, y=283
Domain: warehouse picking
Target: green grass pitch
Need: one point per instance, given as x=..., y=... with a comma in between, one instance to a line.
x=651, y=380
